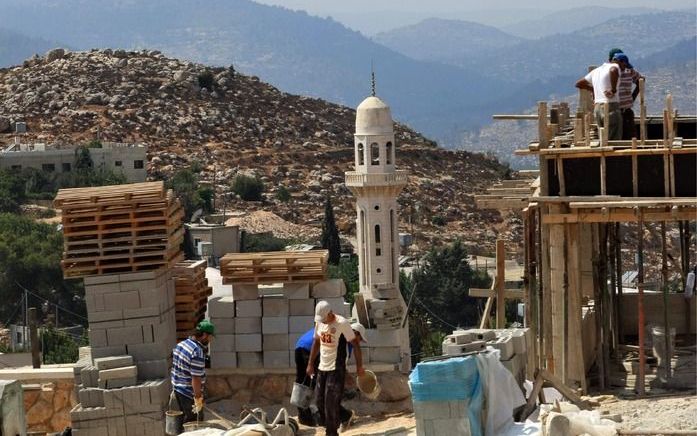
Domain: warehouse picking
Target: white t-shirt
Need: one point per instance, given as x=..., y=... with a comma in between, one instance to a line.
x=599, y=78
x=329, y=336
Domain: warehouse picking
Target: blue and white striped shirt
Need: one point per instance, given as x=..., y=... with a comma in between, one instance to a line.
x=188, y=361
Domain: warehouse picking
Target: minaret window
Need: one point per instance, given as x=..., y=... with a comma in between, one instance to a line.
x=374, y=154
x=377, y=233
x=388, y=153
x=361, y=154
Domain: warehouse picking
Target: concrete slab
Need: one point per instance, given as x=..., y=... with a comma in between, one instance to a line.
x=296, y=291
x=247, y=325
x=274, y=306
x=248, y=309
x=329, y=288
x=248, y=343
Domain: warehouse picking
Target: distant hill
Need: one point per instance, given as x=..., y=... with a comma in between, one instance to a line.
x=569, y=20
x=15, y=47
x=442, y=40
x=292, y=50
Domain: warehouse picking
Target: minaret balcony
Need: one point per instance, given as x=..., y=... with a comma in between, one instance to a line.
x=357, y=179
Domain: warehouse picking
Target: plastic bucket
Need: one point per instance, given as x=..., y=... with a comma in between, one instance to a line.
x=658, y=339
x=301, y=396
x=368, y=385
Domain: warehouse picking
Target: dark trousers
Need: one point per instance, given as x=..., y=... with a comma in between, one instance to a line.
x=628, y=124
x=302, y=357
x=329, y=391
x=186, y=405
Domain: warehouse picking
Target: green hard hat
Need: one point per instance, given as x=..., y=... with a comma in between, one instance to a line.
x=206, y=326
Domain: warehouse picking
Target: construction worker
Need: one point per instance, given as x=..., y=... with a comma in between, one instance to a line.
x=302, y=357
x=332, y=334
x=603, y=82
x=188, y=371
x=628, y=77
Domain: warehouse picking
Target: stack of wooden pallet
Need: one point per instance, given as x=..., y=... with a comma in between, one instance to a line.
x=192, y=292
x=274, y=267
x=119, y=229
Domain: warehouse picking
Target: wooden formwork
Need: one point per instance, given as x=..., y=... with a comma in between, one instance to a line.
x=191, y=295
x=274, y=267
x=121, y=228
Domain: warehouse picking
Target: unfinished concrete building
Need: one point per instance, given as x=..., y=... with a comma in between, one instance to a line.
x=588, y=218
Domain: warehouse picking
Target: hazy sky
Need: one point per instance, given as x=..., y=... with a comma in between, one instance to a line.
x=372, y=16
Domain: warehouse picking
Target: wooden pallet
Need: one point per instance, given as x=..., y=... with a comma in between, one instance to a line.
x=274, y=267
x=115, y=194
x=191, y=294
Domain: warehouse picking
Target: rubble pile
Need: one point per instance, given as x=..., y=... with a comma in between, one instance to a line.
x=222, y=123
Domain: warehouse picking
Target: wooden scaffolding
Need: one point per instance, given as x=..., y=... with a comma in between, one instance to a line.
x=588, y=186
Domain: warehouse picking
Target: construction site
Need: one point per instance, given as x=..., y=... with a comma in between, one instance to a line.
x=604, y=277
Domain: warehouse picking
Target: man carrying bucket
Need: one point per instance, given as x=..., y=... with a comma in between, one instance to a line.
x=188, y=371
x=331, y=335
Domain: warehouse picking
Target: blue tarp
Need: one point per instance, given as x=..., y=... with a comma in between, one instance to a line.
x=455, y=379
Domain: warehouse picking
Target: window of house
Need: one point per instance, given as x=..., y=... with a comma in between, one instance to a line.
x=138, y=164
x=118, y=163
x=388, y=153
x=16, y=167
x=374, y=154
x=49, y=168
x=361, y=154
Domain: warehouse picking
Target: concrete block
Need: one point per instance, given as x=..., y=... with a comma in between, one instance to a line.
x=385, y=354
x=153, y=369
x=454, y=426
x=91, y=281
x=300, y=324
x=274, y=306
x=94, y=302
x=141, y=312
x=248, y=343
x=223, y=359
x=159, y=391
x=224, y=326
x=329, y=288
x=248, y=309
x=153, y=351
x=505, y=345
x=271, y=290
x=122, y=300
x=515, y=364
x=482, y=334
x=102, y=288
x=304, y=307
x=274, y=325
x=296, y=291
x=104, y=363
x=111, y=350
x=124, y=335
x=221, y=307
x=249, y=360
x=275, y=342
x=383, y=338
x=97, y=338
x=119, y=372
x=455, y=349
x=141, y=275
x=116, y=383
x=247, y=325
x=245, y=292
x=106, y=325
x=430, y=410
x=89, y=377
x=293, y=339
x=458, y=409
x=156, y=297
x=223, y=343
x=107, y=315
x=336, y=303
x=276, y=359
x=460, y=337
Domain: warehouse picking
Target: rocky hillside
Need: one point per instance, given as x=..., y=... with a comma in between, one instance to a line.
x=228, y=123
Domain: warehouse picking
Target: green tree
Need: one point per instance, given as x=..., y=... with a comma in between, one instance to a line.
x=283, y=195
x=12, y=192
x=330, y=234
x=30, y=256
x=347, y=270
x=185, y=185
x=258, y=242
x=59, y=347
x=248, y=188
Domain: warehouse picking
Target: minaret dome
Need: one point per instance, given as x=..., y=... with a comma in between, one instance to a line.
x=373, y=117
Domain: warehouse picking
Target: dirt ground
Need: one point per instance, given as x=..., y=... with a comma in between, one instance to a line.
x=368, y=426
x=672, y=413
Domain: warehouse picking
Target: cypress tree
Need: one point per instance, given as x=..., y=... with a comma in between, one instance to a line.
x=330, y=234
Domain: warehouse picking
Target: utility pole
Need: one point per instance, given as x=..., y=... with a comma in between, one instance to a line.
x=35, y=356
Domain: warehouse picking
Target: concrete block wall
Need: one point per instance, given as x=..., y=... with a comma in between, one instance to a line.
x=131, y=314
x=260, y=325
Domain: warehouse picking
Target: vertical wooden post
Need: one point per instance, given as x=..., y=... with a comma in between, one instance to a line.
x=587, y=128
x=542, y=124
x=640, y=302
x=578, y=128
x=576, y=369
x=34, y=338
x=598, y=306
x=560, y=175
x=642, y=111
x=500, y=284
x=603, y=175
x=635, y=170
x=664, y=276
x=547, y=242
x=618, y=271
x=605, y=303
x=612, y=308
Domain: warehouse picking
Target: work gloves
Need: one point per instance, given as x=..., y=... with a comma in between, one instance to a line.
x=198, y=405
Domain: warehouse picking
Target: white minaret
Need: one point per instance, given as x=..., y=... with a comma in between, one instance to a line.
x=376, y=183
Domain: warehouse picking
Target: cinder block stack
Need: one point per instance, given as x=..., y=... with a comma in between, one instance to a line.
x=112, y=404
x=437, y=418
x=511, y=343
x=192, y=292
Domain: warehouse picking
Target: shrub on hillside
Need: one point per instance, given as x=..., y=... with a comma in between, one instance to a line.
x=248, y=188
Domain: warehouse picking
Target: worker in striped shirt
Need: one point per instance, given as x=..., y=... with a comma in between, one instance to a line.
x=188, y=371
x=628, y=77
